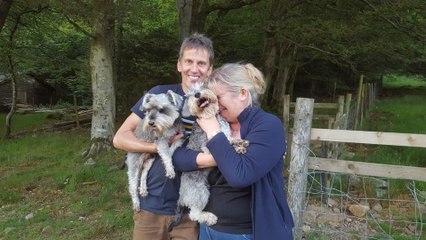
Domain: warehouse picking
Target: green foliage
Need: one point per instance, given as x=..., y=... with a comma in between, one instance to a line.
x=333, y=42
x=47, y=47
x=238, y=35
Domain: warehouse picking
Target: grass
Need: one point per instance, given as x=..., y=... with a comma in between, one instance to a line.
x=24, y=122
x=402, y=114
x=405, y=114
x=45, y=176
x=397, y=81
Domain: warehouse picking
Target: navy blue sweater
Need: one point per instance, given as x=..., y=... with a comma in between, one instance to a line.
x=261, y=167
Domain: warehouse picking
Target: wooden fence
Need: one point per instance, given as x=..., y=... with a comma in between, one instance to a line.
x=344, y=110
x=300, y=160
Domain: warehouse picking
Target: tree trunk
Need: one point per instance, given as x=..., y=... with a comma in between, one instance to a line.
x=101, y=63
x=286, y=68
x=269, y=69
x=5, y=6
x=14, y=96
x=192, y=16
x=185, y=15
x=13, y=77
x=271, y=49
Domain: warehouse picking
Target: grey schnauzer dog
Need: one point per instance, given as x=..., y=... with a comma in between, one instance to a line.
x=194, y=189
x=161, y=122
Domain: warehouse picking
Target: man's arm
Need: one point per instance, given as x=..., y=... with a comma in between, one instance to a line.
x=205, y=160
x=125, y=138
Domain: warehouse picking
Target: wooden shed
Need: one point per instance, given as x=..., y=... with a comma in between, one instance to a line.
x=30, y=91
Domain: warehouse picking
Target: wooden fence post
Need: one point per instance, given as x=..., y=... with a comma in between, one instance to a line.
x=286, y=113
x=363, y=107
x=341, y=104
x=348, y=100
x=299, y=161
x=358, y=102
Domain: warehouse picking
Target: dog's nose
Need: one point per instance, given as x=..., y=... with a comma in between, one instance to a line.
x=197, y=95
x=151, y=123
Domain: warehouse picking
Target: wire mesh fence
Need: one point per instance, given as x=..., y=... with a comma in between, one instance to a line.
x=343, y=206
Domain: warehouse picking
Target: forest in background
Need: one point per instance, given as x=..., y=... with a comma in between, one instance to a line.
x=310, y=48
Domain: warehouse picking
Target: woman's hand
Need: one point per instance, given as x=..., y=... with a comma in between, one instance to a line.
x=175, y=138
x=209, y=125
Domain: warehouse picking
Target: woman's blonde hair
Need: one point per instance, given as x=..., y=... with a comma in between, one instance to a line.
x=237, y=76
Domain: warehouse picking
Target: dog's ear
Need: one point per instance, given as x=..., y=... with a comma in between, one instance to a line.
x=146, y=98
x=175, y=98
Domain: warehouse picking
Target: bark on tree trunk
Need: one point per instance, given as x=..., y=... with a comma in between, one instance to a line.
x=101, y=62
x=192, y=16
x=185, y=15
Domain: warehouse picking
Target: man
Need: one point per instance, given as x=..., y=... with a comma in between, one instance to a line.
x=195, y=63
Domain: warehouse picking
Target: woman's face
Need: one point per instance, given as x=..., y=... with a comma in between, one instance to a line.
x=231, y=104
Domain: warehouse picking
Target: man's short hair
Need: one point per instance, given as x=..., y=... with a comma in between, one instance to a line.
x=198, y=41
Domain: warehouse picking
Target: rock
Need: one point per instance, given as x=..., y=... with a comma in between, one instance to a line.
x=9, y=229
x=357, y=210
x=306, y=228
x=377, y=207
x=331, y=202
x=46, y=230
x=336, y=210
x=90, y=162
x=29, y=216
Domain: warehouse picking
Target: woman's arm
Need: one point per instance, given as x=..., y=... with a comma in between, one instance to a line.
x=266, y=149
x=185, y=159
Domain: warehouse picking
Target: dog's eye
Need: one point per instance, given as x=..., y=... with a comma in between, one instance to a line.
x=161, y=110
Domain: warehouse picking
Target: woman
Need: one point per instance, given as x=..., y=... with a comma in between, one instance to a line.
x=247, y=190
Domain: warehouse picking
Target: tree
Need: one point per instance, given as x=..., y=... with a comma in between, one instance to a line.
x=101, y=62
x=12, y=73
x=16, y=21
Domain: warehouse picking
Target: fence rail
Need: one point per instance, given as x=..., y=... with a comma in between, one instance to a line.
x=368, y=137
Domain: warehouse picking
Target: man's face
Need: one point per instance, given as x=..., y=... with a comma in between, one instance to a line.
x=194, y=66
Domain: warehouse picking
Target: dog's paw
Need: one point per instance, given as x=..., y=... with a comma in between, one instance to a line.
x=170, y=174
x=209, y=218
x=143, y=191
x=240, y=145
x=136, y=207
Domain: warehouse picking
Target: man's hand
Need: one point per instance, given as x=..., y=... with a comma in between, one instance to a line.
x=176, y=137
